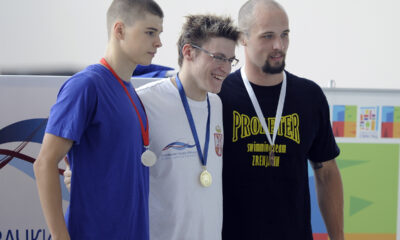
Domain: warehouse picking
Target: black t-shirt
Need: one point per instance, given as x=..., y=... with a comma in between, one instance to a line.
x=263, y=201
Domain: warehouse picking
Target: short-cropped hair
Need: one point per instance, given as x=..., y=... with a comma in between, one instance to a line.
x=128, y=11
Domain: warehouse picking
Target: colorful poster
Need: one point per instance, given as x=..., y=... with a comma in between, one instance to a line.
x=368, y=122
x=344, y=122
x=390, y=122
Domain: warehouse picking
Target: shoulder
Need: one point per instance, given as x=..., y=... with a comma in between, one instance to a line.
x=85, y=79
x=214, y=98
x=233, y=78
x=303, y=85
x=156, y=94
x=307, y=92
x=231, y=83
x=301, y=82
x=153, y=87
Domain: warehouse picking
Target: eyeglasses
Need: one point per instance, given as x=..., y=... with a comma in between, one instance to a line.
x=219, y=59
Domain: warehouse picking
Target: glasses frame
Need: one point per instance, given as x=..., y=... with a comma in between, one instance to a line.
x=220, y=59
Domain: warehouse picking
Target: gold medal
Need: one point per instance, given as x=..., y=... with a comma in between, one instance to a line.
x=205, y=178
x=271, y=158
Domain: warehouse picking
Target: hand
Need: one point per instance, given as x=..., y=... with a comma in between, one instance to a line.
x=67, y=174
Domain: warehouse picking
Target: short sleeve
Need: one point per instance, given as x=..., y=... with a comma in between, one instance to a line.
x=324, y=146
x=74, y=109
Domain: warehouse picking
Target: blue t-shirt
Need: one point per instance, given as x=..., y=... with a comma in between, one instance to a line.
x=109, y=185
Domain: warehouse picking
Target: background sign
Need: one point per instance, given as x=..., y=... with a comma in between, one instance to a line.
x=366, y=124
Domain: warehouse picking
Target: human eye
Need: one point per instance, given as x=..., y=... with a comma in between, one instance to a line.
x=267, y=36
x=220, y=58
x=285, y=35
x=150, y=33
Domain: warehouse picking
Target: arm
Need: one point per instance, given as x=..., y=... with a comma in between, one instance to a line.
x=47, y=179
x=330, y=196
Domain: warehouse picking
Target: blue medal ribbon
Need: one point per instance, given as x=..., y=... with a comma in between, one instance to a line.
x=203, y=157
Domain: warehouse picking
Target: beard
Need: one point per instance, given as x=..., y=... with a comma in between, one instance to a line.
x=267, y=68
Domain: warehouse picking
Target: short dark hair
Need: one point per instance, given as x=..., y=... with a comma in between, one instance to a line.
x=130, y=10
x=198, y=29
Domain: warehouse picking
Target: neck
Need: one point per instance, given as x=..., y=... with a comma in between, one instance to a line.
x=192, y=90
x=257, y=76
x=122, y=66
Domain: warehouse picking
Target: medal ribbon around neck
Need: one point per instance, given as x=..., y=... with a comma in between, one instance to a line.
x=145, y=132
x=203, y=157
x=257, y=108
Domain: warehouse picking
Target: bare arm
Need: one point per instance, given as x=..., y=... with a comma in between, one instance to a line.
x=47, y=179
x=330, y=197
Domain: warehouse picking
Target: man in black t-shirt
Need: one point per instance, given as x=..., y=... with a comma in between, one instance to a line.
x=265, y=173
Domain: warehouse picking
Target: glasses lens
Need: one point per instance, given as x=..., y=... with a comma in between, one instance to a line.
x=234, y=62
x=219, y=59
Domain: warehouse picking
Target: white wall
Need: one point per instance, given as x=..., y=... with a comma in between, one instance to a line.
x=353, y=42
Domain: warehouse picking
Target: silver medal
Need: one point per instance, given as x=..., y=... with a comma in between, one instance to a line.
x=148, y=158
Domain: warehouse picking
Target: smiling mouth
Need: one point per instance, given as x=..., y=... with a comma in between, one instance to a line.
x=218, y=77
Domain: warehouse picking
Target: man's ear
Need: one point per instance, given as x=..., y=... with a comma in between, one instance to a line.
x=119, y=30
x=243, y=39
x=188, y=52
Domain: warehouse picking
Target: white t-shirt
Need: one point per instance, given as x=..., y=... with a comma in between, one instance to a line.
x=180, y=208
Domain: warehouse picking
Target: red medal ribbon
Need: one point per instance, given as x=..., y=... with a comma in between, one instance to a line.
x=145, y=132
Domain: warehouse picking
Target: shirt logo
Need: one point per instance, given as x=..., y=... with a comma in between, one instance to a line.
x=218, y=140
x=245, y=126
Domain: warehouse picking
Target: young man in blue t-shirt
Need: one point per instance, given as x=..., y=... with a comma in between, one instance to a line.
x=100, y=122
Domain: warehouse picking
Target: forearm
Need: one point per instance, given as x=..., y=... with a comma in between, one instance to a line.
x=47, y=179
x=330, y=198
x=48, y=183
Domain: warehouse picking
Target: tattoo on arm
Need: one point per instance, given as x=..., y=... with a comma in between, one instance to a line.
x=316, y=165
